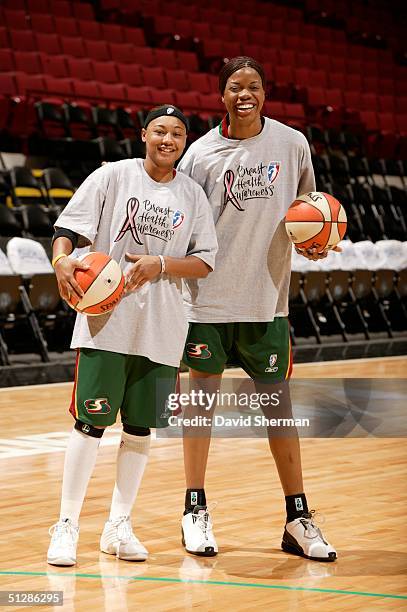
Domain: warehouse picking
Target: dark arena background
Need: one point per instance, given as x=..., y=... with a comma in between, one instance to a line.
x=77, y=79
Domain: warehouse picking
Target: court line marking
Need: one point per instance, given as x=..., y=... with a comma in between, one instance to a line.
x=210, y=582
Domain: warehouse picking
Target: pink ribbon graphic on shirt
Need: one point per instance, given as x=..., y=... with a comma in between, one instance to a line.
x=130, y=222
x=229, y=196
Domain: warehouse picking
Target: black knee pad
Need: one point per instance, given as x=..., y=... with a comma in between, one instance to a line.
x=89, y=430
x=136, y=431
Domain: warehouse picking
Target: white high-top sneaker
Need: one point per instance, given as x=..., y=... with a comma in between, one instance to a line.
x=62, y=549
x=302, y=537
x=118, y=539
x=197, y=534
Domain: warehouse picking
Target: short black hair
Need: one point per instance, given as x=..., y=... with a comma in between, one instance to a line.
x=236, y=63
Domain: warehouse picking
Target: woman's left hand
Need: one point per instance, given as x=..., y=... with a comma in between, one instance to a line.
x=145, y=268
x=314, y=255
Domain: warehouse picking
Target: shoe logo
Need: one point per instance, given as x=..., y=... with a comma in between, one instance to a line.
x=200, y=351
x=194, y=497
x=99, y=405
x=298, y=504
x=272, y=361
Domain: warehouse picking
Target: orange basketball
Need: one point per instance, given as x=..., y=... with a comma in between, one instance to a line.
x=103, y=285
x=316, y=220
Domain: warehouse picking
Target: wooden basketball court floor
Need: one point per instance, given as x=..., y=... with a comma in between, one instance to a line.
x=358, y=485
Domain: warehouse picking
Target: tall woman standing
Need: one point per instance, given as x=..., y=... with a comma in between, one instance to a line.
x=251, y=169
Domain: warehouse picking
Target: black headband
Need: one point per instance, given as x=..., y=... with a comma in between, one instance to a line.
x=166, y=111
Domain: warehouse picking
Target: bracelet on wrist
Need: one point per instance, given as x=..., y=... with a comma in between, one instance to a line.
x=57, y=258
x=162, y=262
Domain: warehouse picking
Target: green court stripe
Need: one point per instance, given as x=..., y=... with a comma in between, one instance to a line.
x=212, y=582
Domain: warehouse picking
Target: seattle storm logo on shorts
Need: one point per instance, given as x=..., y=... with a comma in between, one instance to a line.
x=99, y=405
x=272, y=361
x=199, y=351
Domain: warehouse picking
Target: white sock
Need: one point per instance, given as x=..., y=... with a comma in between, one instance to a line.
x=80, y=458
x=132, y=459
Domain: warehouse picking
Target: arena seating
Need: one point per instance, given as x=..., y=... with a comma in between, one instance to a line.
x=77, y=77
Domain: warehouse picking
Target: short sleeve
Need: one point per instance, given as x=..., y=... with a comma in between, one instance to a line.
x=203, y=242
x=307, y=177
x=83, y=211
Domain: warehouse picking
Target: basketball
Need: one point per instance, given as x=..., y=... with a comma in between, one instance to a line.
x=316, y=220
x=103, y=285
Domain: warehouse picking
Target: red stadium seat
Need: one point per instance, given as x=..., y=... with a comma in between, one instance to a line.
x=105, y=72
x=90, y=30
x=28, y=61
x=371, y=83
x=337, y=79
x=83, y=11
x=387, y=104
x=232, y=49
x=154, y=77
x=23, y=39
x=8, y=85
x=188, y=101
x=61, y=8
x=122, y=53
x=7, y=60
x=211, y=103
x=49, y=43
x=97, y=50
x=59, y=87
x=223, y=31
x=80, y=68
x=306, y=60
x=112, y=32
x=202, y=31
x=135, y=36
x=139, y=96
x=187, y=61
x=66, y=26
x=55, y=65
x=274, y=109
x=177, y=79
x=4, y=40
x=30, y=84
x=89, y=90
x=73, y=46
x=130, y=74
x=144, y=56
x=113, y=92
x=166, y=58
x=351, y=99
x=294, y=114
x=200, y=82
x=386, y=122
x=38, y=6
x=16, y=20
x=162, y=96
x=40, y=22
x=369, y=101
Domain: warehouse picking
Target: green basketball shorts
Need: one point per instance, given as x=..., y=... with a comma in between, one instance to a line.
x=106, y=383
x=263, y=350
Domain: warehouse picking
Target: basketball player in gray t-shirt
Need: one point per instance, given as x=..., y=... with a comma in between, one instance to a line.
x=251, y=168
x=157, y=224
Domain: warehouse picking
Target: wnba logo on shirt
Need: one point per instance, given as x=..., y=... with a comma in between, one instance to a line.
x=273, y=170
x=199, y=351
x=99, y=405
x=177, y=218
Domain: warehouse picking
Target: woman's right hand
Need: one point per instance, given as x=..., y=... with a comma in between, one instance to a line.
x=64, y=271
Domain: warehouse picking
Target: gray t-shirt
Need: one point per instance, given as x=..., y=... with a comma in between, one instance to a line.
x=120, y=209
x=250, y=184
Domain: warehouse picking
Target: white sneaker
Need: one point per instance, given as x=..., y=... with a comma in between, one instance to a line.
x=62, y=549
x=118, y=539
x=302, y=537
x=197, y=534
